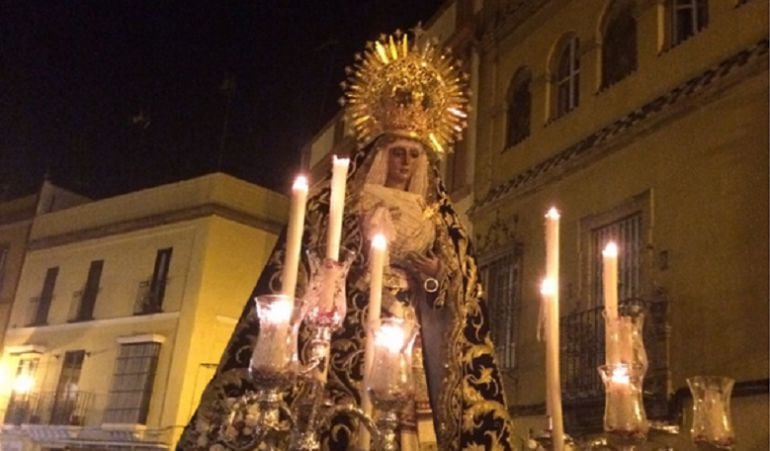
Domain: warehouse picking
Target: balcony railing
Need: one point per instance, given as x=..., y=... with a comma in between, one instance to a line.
x=582, y=353
x=149, y=300
x=81, y=307
x=37, y=312
x=75, y=307
x=64, y=408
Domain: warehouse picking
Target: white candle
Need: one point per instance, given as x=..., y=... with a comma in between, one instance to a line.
x=294, y=236
x=610, y=279
x=549, y=290
x=553, y=385
x=336, y=206
x=377, y=257
x=552, y=246
x=614, y=332
x=377, y=266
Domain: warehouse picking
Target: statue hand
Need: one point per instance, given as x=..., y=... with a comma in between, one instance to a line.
x=428, y=264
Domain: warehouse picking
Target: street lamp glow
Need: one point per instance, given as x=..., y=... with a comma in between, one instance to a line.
x=23, y=384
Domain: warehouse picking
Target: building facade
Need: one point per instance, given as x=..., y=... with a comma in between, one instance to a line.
x=644, y=122
x=123, y=308
x=16, y=218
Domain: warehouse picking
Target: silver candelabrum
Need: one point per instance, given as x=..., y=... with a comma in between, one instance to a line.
x=262, y=419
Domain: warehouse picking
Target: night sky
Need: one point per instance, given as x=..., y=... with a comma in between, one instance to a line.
x=113, y=96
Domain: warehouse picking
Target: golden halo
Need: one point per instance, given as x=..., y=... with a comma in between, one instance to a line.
x=408, y=89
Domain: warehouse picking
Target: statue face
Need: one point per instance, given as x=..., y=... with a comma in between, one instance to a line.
x=402, y=161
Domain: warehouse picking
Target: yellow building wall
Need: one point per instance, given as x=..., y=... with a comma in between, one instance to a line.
x=702, y=172
x=232, y=257
x=99, y=340
x=221, y=230
x=128, y=260
x=15, y=220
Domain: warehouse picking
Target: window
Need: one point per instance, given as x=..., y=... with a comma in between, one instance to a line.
x=129, y=400
x=85, y=310
x=152, y=292
x=501, y=277
x=455, y=169
x=627, y=233
x=65, y=403
x=567, y=80
x=44, y=301
x=619, y=43
x=20, y=405
x=687, y=17
x=519, y=107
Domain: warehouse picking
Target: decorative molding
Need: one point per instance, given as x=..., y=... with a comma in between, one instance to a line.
x=97, y=323
x=25, y=349
x=606, y=139
x=143, y=338
x=499, y=236
x=509, y=16
x=171, y=217
x=134, y=427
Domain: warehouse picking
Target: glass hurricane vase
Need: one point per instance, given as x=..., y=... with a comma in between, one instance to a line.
x=274, y=359
x=624, y=337
x=390, y=383
x=625, y=419
x=325, y=293
x=712, y=426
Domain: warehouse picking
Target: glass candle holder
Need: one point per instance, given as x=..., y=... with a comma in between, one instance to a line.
x=274, y=358
x=711, y=419
x=390, y=383
x=325, y=293
x=624, y=339
x=624, y=416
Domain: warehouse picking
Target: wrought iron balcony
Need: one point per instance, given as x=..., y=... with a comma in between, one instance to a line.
x=582, y=353
x=37, y=311
x=56, y=408
x=149, y=299
x=82, y=306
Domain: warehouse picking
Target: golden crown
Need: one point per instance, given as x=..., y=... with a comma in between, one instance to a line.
x=408, y=89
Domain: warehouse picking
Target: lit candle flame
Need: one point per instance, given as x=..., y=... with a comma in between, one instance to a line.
x=610, y=250
x=553, y=214
x=391, y=337
x=300, y=183
x=279, y=312
x=620, y=375
x=379, y=241
x=547, y=287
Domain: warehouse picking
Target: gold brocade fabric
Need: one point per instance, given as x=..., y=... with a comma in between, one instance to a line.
x=469, y=402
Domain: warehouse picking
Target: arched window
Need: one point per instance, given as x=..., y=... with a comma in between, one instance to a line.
x=618, y=43
x=687, y=17
x=519, y=107
x=567, y=79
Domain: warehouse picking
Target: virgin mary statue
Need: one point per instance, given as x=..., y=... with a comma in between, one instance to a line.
x=406, y=105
